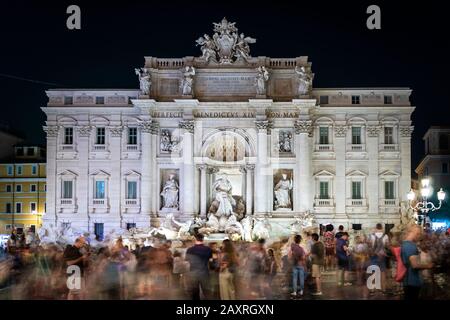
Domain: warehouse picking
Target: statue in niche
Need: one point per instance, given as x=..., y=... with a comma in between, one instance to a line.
x=285, y=141
x=305, y=80
x=282, y=190
x=168, y=143
x=170, y=193
x=261, y=79
x=188, y=81
x=222, y=206
x=144, y=80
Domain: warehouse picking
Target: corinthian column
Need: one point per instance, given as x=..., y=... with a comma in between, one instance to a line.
x=146, y=128
x=202, y=168
x=303, y=129
x=249, y=168
x=188, y=184
x=373, y=178
x=405, y=154
x=340, y=132
x=50, y=215
x=261, y=176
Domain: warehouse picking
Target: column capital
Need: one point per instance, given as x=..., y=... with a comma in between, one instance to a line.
x=116, y=131
x=373, y=131
x=149, y=126
x=262, y=125
x=242, y=169
x=212, y=169
x=84, y=131
x=340, y=131
x=187, y=125
x=202, y=167
x=51, y=131
x=406, y=131
x=249, y=167
x=303, y=126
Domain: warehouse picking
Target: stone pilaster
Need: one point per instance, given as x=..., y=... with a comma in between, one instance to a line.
x=115, y=148
x=84, y=134
x=249, y=168
x=405, y=152
x=303, y=129
x=340, y=132
x=52, y=136
x=203, y=197
x=261, y=175
x=146, y=128
x=188, y=183
x=373, y=179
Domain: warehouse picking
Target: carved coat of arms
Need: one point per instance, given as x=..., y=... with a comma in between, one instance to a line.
x=226, y=45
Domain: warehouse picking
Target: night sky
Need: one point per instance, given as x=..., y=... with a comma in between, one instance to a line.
x=411, y=49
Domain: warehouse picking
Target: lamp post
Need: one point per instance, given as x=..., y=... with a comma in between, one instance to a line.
x=425, y=206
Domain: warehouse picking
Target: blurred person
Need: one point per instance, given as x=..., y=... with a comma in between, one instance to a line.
x=271, y=272
x=73, y=256
x=297, y=257
x=340, y=232
x=198, y=257
x=361, y=258
x=228, y=265
x=342, y=255
x=180, y=269
x=317, y=260
x=214, y=268
x=256, y=265
x=412, y=281
x=379, y=247
x=330, y=247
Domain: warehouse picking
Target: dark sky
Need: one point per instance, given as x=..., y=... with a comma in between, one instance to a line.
x=411, y=49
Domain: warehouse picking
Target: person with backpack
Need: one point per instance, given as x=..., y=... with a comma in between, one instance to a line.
x=379, y=244
x=412, y=280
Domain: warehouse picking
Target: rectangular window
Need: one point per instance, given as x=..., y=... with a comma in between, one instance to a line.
x=18, y=207
x=444, y=167
x=356, y=135
x=389, y=190
x=323, y=135
x=132, y=135
x=388, y=135
x=67, y=190
x=19, y=170
x=131, y=190
x=443, y=141
x=387, y=99
x=45, y=207
x=33, y=188
x=356, y=190
x=98, y=230
x=356, y=100
x=9, y=170
x=8, y=208
x=131, y=226
x=68, y=135
x=33, y=169
x=99, y=100
x=100, y=136
x=8, y=188
x=324, y=190
x=323, y=99
x=45, y=187
x=30, y=152
x=100, y=189
x=33, y=207
x=19, y=152
x=18, y=188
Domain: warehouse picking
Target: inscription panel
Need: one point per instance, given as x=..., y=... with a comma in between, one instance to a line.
x=225, y=85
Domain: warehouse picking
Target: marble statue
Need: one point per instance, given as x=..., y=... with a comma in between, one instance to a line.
x=226, y=44
x=281, y=190
x=167, y=142
x=208, y=48
x=224, y=203
x=170, y=193
x=242, y=47
x=305, y=80
x=184, y=227
x=260, y=81
x=247, y=228
x=285, y=141
x=261, y=229
x=144, y=80
x=296, y=227
x=233, y=226
x=187, y=83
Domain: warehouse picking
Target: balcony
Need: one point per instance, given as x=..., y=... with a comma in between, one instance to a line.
x=388, y=147
x=131, y=205
x=98, y=202
x=132, y=147
x=356, y=147
x=99, y=147
x=324, y=202
x=66, y=202
x=67, y=147
x=324, y=147
x=356, y=202
x=99, y=206
x=389, y=203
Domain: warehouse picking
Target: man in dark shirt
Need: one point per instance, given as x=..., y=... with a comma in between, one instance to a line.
x=340, y=232
x=73, y=256
x=198, y=257
x=342, y=253
x=318, y=257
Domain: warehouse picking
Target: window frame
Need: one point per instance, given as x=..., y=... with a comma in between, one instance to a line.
x=356, y=99
x=135, y=136
x=359, y=136
x=100, y=136
x=68, y=136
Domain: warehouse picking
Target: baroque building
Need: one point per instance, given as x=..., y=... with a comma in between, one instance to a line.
x=227, y=133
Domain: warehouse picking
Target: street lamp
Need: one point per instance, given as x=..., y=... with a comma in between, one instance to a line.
x=425, y=206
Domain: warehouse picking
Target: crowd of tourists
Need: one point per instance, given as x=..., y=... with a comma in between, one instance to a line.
x=412, y=264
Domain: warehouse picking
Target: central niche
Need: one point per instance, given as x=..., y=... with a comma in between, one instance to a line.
x=226, y=148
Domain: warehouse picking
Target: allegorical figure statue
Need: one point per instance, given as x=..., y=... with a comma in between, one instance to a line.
x=242, y=48
x=208, y=48
x=170, y=193
x=188, y=81
x=144, y=80
x=261, y=79
x=282, y=188
x=305, y=80
x=224, y=204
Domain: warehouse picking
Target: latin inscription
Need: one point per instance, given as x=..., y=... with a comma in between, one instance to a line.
x=225, y=85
